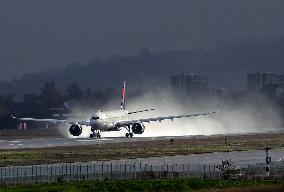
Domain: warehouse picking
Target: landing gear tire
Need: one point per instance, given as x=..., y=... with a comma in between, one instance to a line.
x=128, y=134
x=95, y=135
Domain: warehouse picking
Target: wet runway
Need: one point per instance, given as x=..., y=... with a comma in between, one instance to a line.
x=53, y=142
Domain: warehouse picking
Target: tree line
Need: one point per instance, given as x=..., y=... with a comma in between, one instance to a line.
x=42, y=105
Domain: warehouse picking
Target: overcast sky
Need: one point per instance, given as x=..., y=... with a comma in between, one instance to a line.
x=38, y=35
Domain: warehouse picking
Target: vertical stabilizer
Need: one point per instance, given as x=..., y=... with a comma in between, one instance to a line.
x=122, y=105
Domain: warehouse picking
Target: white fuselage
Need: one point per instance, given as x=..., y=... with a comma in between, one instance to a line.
x=105, y=121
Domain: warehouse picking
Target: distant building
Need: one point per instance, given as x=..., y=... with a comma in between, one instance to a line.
x=265, y=82
x=189, y=84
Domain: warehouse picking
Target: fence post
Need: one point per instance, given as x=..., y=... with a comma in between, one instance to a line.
x=172, y=171
x=13, y=180
x=111, y=170
x=66, y=171
x=87, y=177
x=40, y=177
x=116, y=170
x=140, y=170
x=125, y=171
x=32, y=174
x=81, y=172
x=187, y=170
x=145, y=171
x=69, y=171
x=10, y=174
x=36, y=172
x=73, y=170
x=25, y=171
x=134, y=170
x=103, y=170
x=168, y=167
x=182, y=170
x=204, y=172
x=51, y=169
x=5, y=173
x=120, y=171
x=77, y=171
x=17, y=174
x=46, y=173
x=95, y=171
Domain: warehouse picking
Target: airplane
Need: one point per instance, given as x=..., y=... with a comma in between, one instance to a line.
x=102, y=121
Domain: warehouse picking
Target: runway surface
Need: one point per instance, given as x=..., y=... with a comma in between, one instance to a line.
x=53, y=142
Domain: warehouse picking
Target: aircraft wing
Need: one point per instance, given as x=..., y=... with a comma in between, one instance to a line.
x=133, y=112
x=148, y=120
x=55, y=121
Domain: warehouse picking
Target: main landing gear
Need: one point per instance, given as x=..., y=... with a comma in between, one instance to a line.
x=129, y=134
x=95, y=135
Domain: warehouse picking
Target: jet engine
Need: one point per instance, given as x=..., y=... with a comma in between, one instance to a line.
x=138, y=128
x=75, y=130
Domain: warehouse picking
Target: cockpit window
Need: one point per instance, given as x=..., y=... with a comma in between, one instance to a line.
x=95, y=118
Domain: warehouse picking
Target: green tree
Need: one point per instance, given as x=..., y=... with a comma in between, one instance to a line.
x=50, y=96
x=73, y=92
x=4, y=112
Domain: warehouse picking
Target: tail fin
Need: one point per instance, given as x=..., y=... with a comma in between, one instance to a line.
x=122, y=105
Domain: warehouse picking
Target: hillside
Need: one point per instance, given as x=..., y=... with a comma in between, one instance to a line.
x=226, y=65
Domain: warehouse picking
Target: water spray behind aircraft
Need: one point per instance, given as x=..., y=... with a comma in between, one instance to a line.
x=115, y=120
x=249, y=114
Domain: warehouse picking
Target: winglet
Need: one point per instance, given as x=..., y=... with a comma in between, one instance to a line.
x=13, y=116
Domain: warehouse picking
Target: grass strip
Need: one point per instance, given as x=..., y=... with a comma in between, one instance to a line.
x=150, y=185
x=139, y=149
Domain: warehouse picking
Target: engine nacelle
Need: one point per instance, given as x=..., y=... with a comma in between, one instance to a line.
x=75, y=130
x=138, y=128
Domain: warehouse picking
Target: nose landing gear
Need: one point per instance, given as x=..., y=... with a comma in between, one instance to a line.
x=95, y=135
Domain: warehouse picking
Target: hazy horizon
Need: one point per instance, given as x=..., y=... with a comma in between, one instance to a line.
x=39, y=35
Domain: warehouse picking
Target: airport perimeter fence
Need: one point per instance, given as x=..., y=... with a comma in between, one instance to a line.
x=114, y=171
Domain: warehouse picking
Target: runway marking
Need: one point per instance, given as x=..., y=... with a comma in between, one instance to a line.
x=15, y=141
x=93, y=140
